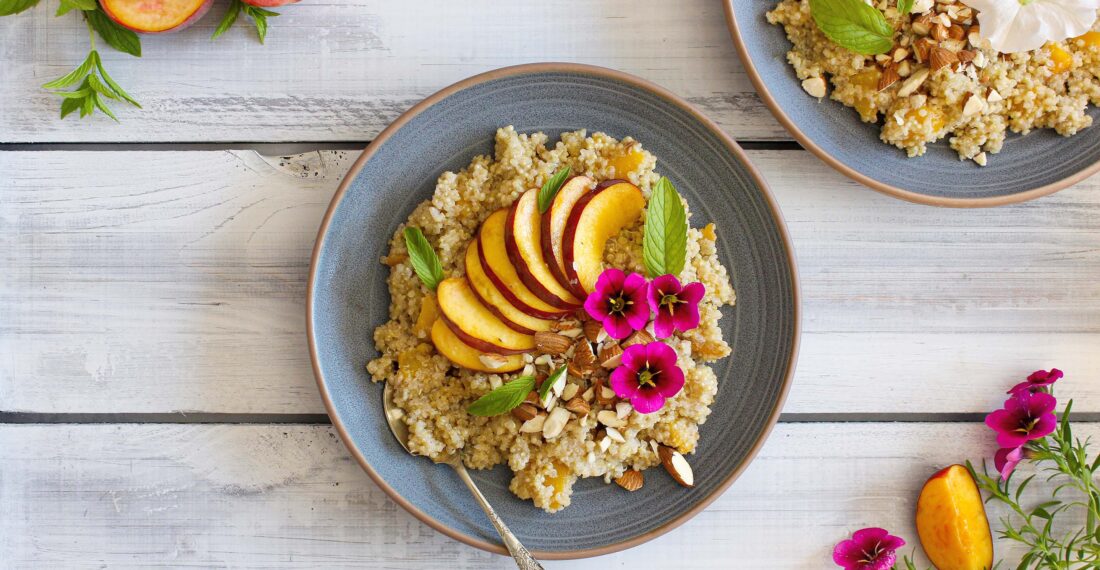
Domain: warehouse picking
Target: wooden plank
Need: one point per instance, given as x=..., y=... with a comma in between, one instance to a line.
x=175, y=281
x=130, y=496
x=343, y=70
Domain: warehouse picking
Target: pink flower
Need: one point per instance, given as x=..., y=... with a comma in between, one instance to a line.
x=868, y=549
x=1025, y=417
x=619, y=302
x=647, y=376
x=1007, y=459
x=676, y=307
x=1037, y=381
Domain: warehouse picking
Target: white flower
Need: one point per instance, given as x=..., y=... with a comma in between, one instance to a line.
x=1023, y=25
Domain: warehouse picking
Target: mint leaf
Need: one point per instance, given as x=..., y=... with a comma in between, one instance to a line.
x=75, y=75
x=115, y=35
x=853, y=25
x=905, y=6
x=544, y=390
x=259, y=19
x=551, y=188
x=424, y=260
x=9, y=7
x=228, y=20
x=111, y=82
x=503, y=399
x=664, y=242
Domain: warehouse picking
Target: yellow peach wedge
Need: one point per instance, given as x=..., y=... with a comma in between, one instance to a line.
x=951, y=522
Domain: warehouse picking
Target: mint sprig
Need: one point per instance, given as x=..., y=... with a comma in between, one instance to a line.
x=664, y=242
x=504, y=398
x=423, y=258
x=10, y=7
x=550, y=189
x=547, y=384
x=259, y=18
x=95, y=86
x=854, y=25
x=905, y=6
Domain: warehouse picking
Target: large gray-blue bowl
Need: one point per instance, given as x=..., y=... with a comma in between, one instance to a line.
x=348, y=297
x=1028, y=167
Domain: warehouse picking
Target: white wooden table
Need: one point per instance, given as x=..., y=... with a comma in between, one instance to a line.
x=157, y=407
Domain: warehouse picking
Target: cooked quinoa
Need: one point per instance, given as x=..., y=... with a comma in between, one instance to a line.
x=973, y=99
x=434, y=394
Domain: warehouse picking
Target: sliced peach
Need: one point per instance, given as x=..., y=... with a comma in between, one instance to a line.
x=951, y=522
x=522, y=241
x=155, y=16
x=552, y=225
x=495, y=262
x=461, y=354
x=495, y=300
x=474, y=323
x=596, y=217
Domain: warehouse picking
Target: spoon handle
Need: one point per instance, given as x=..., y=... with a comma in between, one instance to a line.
x=523, y=558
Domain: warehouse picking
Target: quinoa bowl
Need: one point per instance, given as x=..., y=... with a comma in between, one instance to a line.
x=773, y=37
x=350, y=296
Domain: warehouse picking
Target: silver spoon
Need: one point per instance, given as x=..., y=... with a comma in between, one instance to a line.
x=400, y=430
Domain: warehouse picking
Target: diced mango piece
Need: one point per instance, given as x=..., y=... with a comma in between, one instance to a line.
x=931, y=116
x=1090, y=39
x=951, y=522
x=1061, y=60
x=868, y=80
x=558, y=483
x=627, y=163
x=708, y=232
x=429, y=312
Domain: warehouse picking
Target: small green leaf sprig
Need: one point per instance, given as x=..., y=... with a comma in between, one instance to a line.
x=423, y=258
x=664, y=238
x=854, y=25
x=258, y=15
x=1065, y=460
x=550, y=189
x=504, y=398
x=94, y=85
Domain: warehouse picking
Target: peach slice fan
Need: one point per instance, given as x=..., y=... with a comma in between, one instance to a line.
x=1013, y=26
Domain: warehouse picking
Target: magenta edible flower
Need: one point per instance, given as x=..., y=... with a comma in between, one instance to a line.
x=1038, y=380
x=676, y=308
x=868, y=549
x=619, y=302
x=647, y=376
x=1025, y=417
x=1007, y=459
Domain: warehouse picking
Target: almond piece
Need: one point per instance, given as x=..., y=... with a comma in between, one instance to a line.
x=532, y=397
x=563, y=325
x=584, y=360
x=610, y=419
x=922, y=25
x=815, y=86
x=611, y=355
x=939, y=58
x=965, y=55
x=578, y=406
x=614, y=435
x=900, y=54
x=605, y=396
x=676, y=466
x=493, y=361
x=631, y=480
x=956, y=32
x=889, y=76
x=637, y=337
x=569, y=391
x=623, y=409
x=921, y=48
x=555, y=423
x=592, y=330
x=974, y=105
x=914, y=82
x=552, y=343
x=524, y=412
x=533, y=425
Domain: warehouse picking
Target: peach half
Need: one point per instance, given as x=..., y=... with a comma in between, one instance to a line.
x=155, y=16
x=951, y=522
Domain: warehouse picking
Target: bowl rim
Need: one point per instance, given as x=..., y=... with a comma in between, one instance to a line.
x=529, y=69
x=890, y=190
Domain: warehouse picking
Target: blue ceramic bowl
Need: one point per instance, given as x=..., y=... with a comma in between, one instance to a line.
x=1029, y=166
x=348, y=297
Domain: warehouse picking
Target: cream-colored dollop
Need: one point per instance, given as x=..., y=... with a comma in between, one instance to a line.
x=1023, y=25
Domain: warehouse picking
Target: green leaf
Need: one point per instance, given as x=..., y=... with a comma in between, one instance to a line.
x=504, y=398
x=111, y=83
x=75, y=75
x=69, y=105
x=544, y=390
x=905, y=6
x=551, y=188
x=854, y=25
x=229, y=19
x=259, y=19
x=664, y=243
x=70, y=5
x=115, y=35
x=9, y=7
x=100, y=88
x=103, y=107
x=424, y=260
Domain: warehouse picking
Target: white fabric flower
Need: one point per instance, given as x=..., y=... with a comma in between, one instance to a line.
x=1023, y=25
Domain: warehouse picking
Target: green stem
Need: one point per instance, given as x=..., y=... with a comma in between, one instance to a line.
x=91, y=32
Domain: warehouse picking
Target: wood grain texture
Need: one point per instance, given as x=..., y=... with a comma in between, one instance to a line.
x=343, y=70
x=138, y=496
x=175, y=281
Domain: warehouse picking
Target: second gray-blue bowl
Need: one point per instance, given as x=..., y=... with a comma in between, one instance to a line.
x=348, y=297
x=1028, y=167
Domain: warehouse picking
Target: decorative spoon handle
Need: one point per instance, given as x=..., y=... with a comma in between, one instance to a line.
x=523, y=558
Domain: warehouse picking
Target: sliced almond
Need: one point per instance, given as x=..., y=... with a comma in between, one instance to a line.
x=974, y=105
x=533, y=425
x=900, y=54
x=604, y=443
x=614, y=435
x=914, y=82
x=569, y=391
x=524, y=412
x=564, y=324
x=589, y=394
x=637, y=337
x=956, y=32
x=994, y=96
x=493, y=361
x=939, y=58
x=623, y=409
x=888, y=77
x=555, y=423
x=610, y=419
x=815, y=86
x=965, y=55
x=611, y=355
x=631, y=480
x=922, y=25
x=592, y=330
x=578, y=406
x=552, y=343
x=981, y=159
x=676, y=466
x=572, y=333
x=605, y=396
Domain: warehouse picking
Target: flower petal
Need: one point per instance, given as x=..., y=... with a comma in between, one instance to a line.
x=1006, y=460
x=693, y=292
x=847, y=554
x=617, y=327
x=1040, y=403
x=624, y=382
x=1043, y=427
x=660, y=355
x=663, y=325
x=686, y=316
x=596, y=306
x=634, y=357
x=633, y=283
x=647, y=401
x=610, y=281
x=670, y=381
